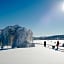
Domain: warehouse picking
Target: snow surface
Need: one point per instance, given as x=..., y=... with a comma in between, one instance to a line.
x=34, y=55
x=49, y=41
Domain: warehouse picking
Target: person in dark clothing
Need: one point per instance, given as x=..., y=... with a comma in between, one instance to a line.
x=44, y=43
x=57, y=44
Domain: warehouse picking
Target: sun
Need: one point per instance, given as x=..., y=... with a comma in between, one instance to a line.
x=62, y=6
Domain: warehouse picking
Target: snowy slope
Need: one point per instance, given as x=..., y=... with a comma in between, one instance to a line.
x=35, y=55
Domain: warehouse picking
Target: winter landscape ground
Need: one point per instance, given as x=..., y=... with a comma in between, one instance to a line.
x=32, y=55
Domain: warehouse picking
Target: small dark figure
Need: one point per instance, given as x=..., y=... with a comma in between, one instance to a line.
x=53, y=47
x=63, y=45
x=44, y=43
x=57, y=44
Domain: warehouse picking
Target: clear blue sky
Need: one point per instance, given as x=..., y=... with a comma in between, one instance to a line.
x=43, y=17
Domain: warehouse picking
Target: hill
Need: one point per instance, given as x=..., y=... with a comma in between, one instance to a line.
x=55, y=37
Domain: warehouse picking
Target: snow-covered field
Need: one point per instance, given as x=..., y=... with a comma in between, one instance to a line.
x=34, y=55
x=48, y=41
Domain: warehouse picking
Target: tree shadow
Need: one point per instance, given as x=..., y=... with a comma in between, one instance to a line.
x=5, y=49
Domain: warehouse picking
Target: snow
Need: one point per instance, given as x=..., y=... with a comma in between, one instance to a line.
x=33, y=55
x=49, y=42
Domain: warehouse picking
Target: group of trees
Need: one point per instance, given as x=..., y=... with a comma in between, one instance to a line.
x=16, y=36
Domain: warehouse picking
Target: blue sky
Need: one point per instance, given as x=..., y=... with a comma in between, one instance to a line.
x=43, y=17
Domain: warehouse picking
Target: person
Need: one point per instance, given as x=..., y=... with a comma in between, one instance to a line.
x=57, y=44
x=53, y=46
x=44, y=43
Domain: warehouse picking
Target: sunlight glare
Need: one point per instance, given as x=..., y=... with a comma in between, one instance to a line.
x=62, y=6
